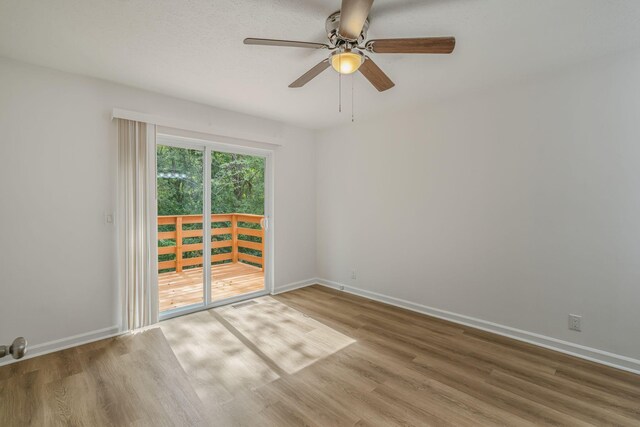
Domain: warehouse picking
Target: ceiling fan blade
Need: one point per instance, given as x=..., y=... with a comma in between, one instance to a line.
x=353, y=14
x=375, y=75
x=284, y=43
x=414, y=45
x=309, y=75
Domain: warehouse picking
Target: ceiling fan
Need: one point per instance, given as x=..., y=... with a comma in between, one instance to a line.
x=347, y=32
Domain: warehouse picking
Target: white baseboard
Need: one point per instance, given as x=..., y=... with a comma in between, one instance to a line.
x=295, y=285
x=592, y=354
x=63, y=343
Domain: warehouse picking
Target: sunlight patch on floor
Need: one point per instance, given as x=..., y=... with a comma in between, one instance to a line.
x=229, y=351
x=217, y=362
x=289, y=338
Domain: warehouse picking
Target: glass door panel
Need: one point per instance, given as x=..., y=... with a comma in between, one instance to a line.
x=237, y=220
x=180, y=227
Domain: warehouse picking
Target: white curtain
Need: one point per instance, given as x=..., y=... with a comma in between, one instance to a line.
x=136, y=195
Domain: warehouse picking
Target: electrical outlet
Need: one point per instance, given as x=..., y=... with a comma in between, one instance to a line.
x=353, y=275
x=575, y=322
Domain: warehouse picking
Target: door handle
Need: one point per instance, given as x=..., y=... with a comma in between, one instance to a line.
x=17, y=349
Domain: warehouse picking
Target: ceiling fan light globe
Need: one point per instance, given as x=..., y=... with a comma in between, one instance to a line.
x=346, y=62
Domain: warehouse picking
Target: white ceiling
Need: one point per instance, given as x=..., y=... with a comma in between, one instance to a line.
x=193, y=49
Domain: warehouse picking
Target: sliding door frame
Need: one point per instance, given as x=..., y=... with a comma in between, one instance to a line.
x=207, y=147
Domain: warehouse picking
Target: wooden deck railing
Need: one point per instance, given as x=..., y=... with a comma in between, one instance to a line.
x=235, y=242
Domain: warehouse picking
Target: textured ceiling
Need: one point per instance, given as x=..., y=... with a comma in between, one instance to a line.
x=193, y=49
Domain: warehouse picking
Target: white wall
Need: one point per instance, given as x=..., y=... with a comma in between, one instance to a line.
x=58, y=151
x=516, y=205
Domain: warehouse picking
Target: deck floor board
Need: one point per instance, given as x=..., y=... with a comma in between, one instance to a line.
x=227, y=280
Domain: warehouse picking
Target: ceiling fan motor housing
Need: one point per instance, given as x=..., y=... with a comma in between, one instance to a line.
x=333, y=23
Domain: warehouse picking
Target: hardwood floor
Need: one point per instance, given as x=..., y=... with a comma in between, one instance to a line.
x=315, y=357
x=129, y=380
x=227, y=280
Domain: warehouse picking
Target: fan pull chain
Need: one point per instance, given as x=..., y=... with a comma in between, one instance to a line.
x=340, y=85
x=352, y=97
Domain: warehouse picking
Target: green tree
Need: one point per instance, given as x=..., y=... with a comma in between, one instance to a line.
x=237, y=186
x=237, y=183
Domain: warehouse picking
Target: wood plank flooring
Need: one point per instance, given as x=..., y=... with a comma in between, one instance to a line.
x=125, y=381
x=227, y=280
x=315, y=357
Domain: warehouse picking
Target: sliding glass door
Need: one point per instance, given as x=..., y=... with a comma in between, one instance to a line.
x=237, y=208
x=219, y=257
x=180, y=237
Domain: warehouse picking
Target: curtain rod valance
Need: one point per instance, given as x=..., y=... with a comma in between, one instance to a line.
x=194, y=127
